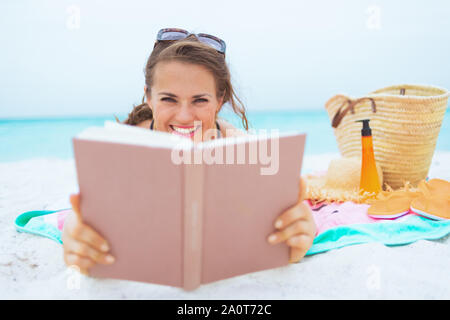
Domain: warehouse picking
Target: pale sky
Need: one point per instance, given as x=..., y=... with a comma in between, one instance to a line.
x=81, y=57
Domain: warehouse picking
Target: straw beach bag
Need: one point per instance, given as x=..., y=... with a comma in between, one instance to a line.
x=405, y=122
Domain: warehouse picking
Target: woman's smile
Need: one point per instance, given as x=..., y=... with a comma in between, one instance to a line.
x=185, y=131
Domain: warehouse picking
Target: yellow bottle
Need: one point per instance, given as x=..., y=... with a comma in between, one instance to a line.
x=369, y=176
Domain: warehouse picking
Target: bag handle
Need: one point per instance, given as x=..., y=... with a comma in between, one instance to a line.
x=340, y=114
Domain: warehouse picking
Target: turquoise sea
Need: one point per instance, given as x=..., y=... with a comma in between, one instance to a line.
x=22, y=139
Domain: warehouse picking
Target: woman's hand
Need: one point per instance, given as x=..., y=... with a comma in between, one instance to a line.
x=83, y=246
x=296, y=226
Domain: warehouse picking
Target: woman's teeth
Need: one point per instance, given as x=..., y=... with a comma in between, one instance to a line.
x=183, y=130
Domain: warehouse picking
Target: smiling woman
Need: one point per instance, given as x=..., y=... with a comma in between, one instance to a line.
x=186, y=81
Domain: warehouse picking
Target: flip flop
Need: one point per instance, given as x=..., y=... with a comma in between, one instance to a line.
x=434, y=186
x=392, y=205
x=434, y=201
x=435, y=207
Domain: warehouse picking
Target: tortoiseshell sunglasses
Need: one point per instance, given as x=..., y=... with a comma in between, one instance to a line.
x=173, y=34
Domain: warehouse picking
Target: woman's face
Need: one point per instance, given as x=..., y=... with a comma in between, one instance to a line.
x=181, y=94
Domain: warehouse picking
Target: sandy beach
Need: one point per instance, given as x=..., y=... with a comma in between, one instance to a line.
x=32, y=267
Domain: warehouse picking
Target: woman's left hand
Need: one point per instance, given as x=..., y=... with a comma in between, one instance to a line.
x=296, y=226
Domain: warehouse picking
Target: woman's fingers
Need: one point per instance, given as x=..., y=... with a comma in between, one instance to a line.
x=75, y=202
x=84, y=250
x=298, y=227
x=83, y=246
x=300, y=245
x=299, y=211
x=83, y=263
x=84, y=233
x=300, y=241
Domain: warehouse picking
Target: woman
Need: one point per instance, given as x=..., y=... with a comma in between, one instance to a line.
x=187, y=82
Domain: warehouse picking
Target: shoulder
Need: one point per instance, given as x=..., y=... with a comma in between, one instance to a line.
x=228, y=130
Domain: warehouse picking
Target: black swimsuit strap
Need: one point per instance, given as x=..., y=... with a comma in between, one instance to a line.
x=218, y=129
x=217, y=125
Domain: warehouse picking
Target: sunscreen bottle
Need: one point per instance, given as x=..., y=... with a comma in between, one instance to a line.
x=369, y=176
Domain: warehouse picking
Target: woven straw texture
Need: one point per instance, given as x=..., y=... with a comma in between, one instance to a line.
x=405, y=122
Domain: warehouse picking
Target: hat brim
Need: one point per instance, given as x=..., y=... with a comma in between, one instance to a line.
x=318, y=191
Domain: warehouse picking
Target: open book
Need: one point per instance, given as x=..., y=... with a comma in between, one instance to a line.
x=182, y=214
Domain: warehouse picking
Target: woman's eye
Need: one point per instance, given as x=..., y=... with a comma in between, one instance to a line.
x=167, y=99
x=199, y=100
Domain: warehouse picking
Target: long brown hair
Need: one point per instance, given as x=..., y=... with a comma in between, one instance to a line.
x=189, y=50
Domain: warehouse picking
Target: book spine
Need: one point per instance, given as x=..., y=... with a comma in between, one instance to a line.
x=192, y=225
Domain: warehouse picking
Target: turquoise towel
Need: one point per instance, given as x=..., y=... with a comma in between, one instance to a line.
x=410, y=229
x=392, y=232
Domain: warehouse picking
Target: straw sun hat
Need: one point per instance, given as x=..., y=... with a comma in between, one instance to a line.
x=339, y=183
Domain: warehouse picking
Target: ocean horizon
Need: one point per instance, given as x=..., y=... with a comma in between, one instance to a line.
x=51, y=137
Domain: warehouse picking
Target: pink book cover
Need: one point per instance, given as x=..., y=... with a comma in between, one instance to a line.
x=182, y=224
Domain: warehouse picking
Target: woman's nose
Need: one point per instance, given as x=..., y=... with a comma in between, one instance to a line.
x=185, y=114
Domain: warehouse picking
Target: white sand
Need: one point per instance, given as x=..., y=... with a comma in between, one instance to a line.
x=32, y=266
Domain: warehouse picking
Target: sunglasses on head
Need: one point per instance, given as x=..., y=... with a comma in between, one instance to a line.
x=174, y=34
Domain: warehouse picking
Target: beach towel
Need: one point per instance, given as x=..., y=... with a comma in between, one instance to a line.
x=43, y=223
x=338, y=225
x=344, y=224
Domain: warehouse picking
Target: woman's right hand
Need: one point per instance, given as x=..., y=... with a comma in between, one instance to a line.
x=83, y=246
